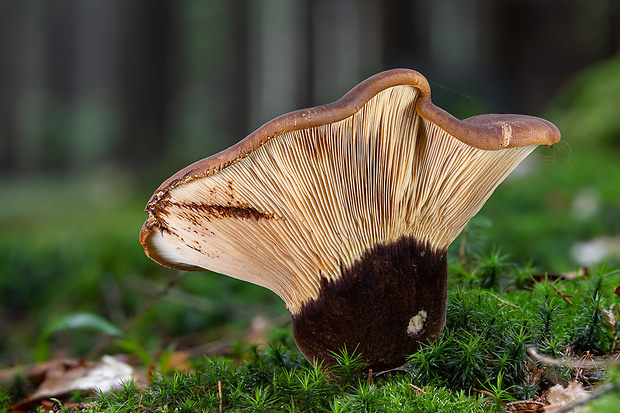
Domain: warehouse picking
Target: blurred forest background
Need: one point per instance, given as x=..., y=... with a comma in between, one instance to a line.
x=100, y=101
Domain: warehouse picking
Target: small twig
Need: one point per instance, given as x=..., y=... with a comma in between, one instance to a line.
x=579, y=364
x=151, y=288
x=485, y=392
x=612, y=321
x=369, y=376
x=526, y=402
x=131, y=321
x=503, y=301
x=154, y=299
x=219, y=390
x=416, y=389
x=462, y=258
x=561, y=294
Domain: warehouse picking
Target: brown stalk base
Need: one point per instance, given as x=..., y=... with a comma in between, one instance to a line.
x=371, y=306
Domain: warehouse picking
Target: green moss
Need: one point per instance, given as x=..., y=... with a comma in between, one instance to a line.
x=480, y=363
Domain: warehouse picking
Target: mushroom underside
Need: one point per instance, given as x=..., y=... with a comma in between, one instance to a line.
x=383, y=307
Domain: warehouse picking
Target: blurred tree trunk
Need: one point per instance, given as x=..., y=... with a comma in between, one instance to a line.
x=275, y=58
x=8, y=85
x=96, y=121
x=22, y=99
x=310, y=53
x=148, y=78
x=237, y=78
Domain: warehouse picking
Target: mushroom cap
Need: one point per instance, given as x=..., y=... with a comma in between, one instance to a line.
x=309, y=192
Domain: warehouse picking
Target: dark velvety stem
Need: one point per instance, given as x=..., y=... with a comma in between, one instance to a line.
x=371, y=306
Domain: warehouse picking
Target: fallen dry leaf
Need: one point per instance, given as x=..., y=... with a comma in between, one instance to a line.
x=63, y=378
x=560, y=396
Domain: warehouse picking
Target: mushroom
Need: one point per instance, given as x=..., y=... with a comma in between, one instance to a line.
x=345, y=211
